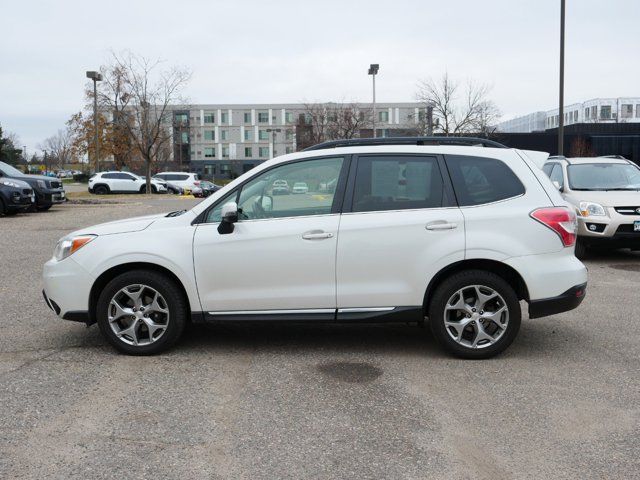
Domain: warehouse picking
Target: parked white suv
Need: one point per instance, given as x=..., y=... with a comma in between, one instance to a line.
x=122, y=182
x=456, y=234
x=184, y=180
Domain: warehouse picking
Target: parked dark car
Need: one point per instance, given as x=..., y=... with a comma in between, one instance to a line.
x=15, y=196
x=48, y=190
x=205, y=188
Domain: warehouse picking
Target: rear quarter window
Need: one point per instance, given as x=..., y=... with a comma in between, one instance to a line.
x=479, y=180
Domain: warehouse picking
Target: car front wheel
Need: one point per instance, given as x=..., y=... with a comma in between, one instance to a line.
x=142, y=312
x=475, y=314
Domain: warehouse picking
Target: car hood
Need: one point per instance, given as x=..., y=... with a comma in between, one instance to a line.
x=20, y=183
x=120, y=226
x=608, y=199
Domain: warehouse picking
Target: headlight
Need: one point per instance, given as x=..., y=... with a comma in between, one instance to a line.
x=9, y=183
x=41, y=184
x=589, y=209
x=69, y=245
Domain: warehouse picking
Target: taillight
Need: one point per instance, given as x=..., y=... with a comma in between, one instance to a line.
x=560, y=220
x=197, y=183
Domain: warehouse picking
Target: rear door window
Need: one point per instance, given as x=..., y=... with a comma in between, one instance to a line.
x=397, y=182
x=479, y=180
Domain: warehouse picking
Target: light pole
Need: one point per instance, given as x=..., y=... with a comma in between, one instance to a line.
x=274, y=131
x=561, y=106
x=373, y=71
x=96, y=77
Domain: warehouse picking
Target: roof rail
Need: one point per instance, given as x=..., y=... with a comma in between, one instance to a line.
x=359, y=142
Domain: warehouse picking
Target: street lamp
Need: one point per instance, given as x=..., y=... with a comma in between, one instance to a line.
x=373, y=71
x=274, y=131
x=561, y=106
x=96, y=77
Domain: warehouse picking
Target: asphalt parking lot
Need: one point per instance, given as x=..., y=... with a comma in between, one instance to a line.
x=277, y=401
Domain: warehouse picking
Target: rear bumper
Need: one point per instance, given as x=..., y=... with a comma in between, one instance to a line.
x=562, y=303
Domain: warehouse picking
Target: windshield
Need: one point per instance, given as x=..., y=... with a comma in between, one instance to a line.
x=10, y=171
x=604, y=176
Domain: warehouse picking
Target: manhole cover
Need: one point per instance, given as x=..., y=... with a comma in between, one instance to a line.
x=352, y=372
x=629, y=267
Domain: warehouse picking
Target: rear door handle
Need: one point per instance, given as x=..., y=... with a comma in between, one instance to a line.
x=441, y=225
x=316, y=235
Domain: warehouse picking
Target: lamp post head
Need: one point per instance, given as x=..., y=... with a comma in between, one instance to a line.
x=373, y=69
x=95, y=76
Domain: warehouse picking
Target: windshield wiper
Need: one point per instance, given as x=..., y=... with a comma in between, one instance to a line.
x=177, y=213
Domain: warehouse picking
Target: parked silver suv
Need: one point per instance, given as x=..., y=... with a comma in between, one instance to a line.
x=606, y=194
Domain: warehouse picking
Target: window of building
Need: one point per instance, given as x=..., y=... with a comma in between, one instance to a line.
x=575, y=116
x=288, y=117
x=638, y=110
x=248, y=153
x=263, y=152
x=397, y=182
x=247, y=117
x=479, y=180
x=224, y=117
x=210, y=135
x=594, y=112
x=225, y=168
x=263, y=135
x=586, y=113
x=383, y=116
x=224, y=134
x=209, y=118
x=626, y=111
x=247, y=134
x=605, y=112
x=184, y=138
x=264, y=188
x=209, y=170
x=263, y=117
x=225, y=152
x=209, y=152
x=288, y=134
x=288, y=149
x=181, y=118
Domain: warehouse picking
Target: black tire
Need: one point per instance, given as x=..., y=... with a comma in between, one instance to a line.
x=43, y=208
x=581, y=249
x=11, y=212
x=101, y=190
x=3, y=208
x=143, y=189
x=458, y=281
x=176, y=304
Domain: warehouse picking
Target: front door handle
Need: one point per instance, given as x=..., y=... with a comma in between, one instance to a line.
x=441, y=225
x=316, y=235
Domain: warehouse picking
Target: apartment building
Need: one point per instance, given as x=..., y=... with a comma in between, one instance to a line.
x=222, y=141
x=597, y=110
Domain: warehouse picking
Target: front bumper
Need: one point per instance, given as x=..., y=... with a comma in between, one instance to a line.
x=562, y=303
x=67, y=286
x=611, y=230
x=19, y=198
x=50, y=197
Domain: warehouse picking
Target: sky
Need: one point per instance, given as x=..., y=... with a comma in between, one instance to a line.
x=276, y=51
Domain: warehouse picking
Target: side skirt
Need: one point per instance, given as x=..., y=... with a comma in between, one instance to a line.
x=341, y=315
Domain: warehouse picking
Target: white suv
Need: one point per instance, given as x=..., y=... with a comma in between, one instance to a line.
x=122, y=182
x=458, y=235
x=184, y=180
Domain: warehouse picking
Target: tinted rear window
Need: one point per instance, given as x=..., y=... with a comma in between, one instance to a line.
x=397, y=182
x=478, y=180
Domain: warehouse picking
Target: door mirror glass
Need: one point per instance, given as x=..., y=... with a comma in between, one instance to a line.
x=229, y=217
x=267, y=203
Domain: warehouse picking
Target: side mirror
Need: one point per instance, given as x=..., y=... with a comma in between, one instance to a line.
x=558, y=186
x=267, y=203
x=229, y=216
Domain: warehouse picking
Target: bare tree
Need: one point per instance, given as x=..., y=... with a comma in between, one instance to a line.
x=458, y=109
x=138, y=94
x=331, y=121
x=59, y=147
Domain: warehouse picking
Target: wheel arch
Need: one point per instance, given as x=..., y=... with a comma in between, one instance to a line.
x=105, y=277
x=506, y=272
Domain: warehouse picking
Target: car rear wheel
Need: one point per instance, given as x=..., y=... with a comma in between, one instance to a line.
x=475, y=314
x=142, y=312
x=101, y=190
x=143, y=189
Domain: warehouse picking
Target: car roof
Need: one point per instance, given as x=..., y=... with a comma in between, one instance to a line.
x=583, y=160
x=176, y=173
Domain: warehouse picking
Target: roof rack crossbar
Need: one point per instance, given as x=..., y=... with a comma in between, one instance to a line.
x=359, y=142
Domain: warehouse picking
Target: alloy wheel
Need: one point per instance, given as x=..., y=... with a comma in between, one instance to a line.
x=138, y=315
x=476, y=316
